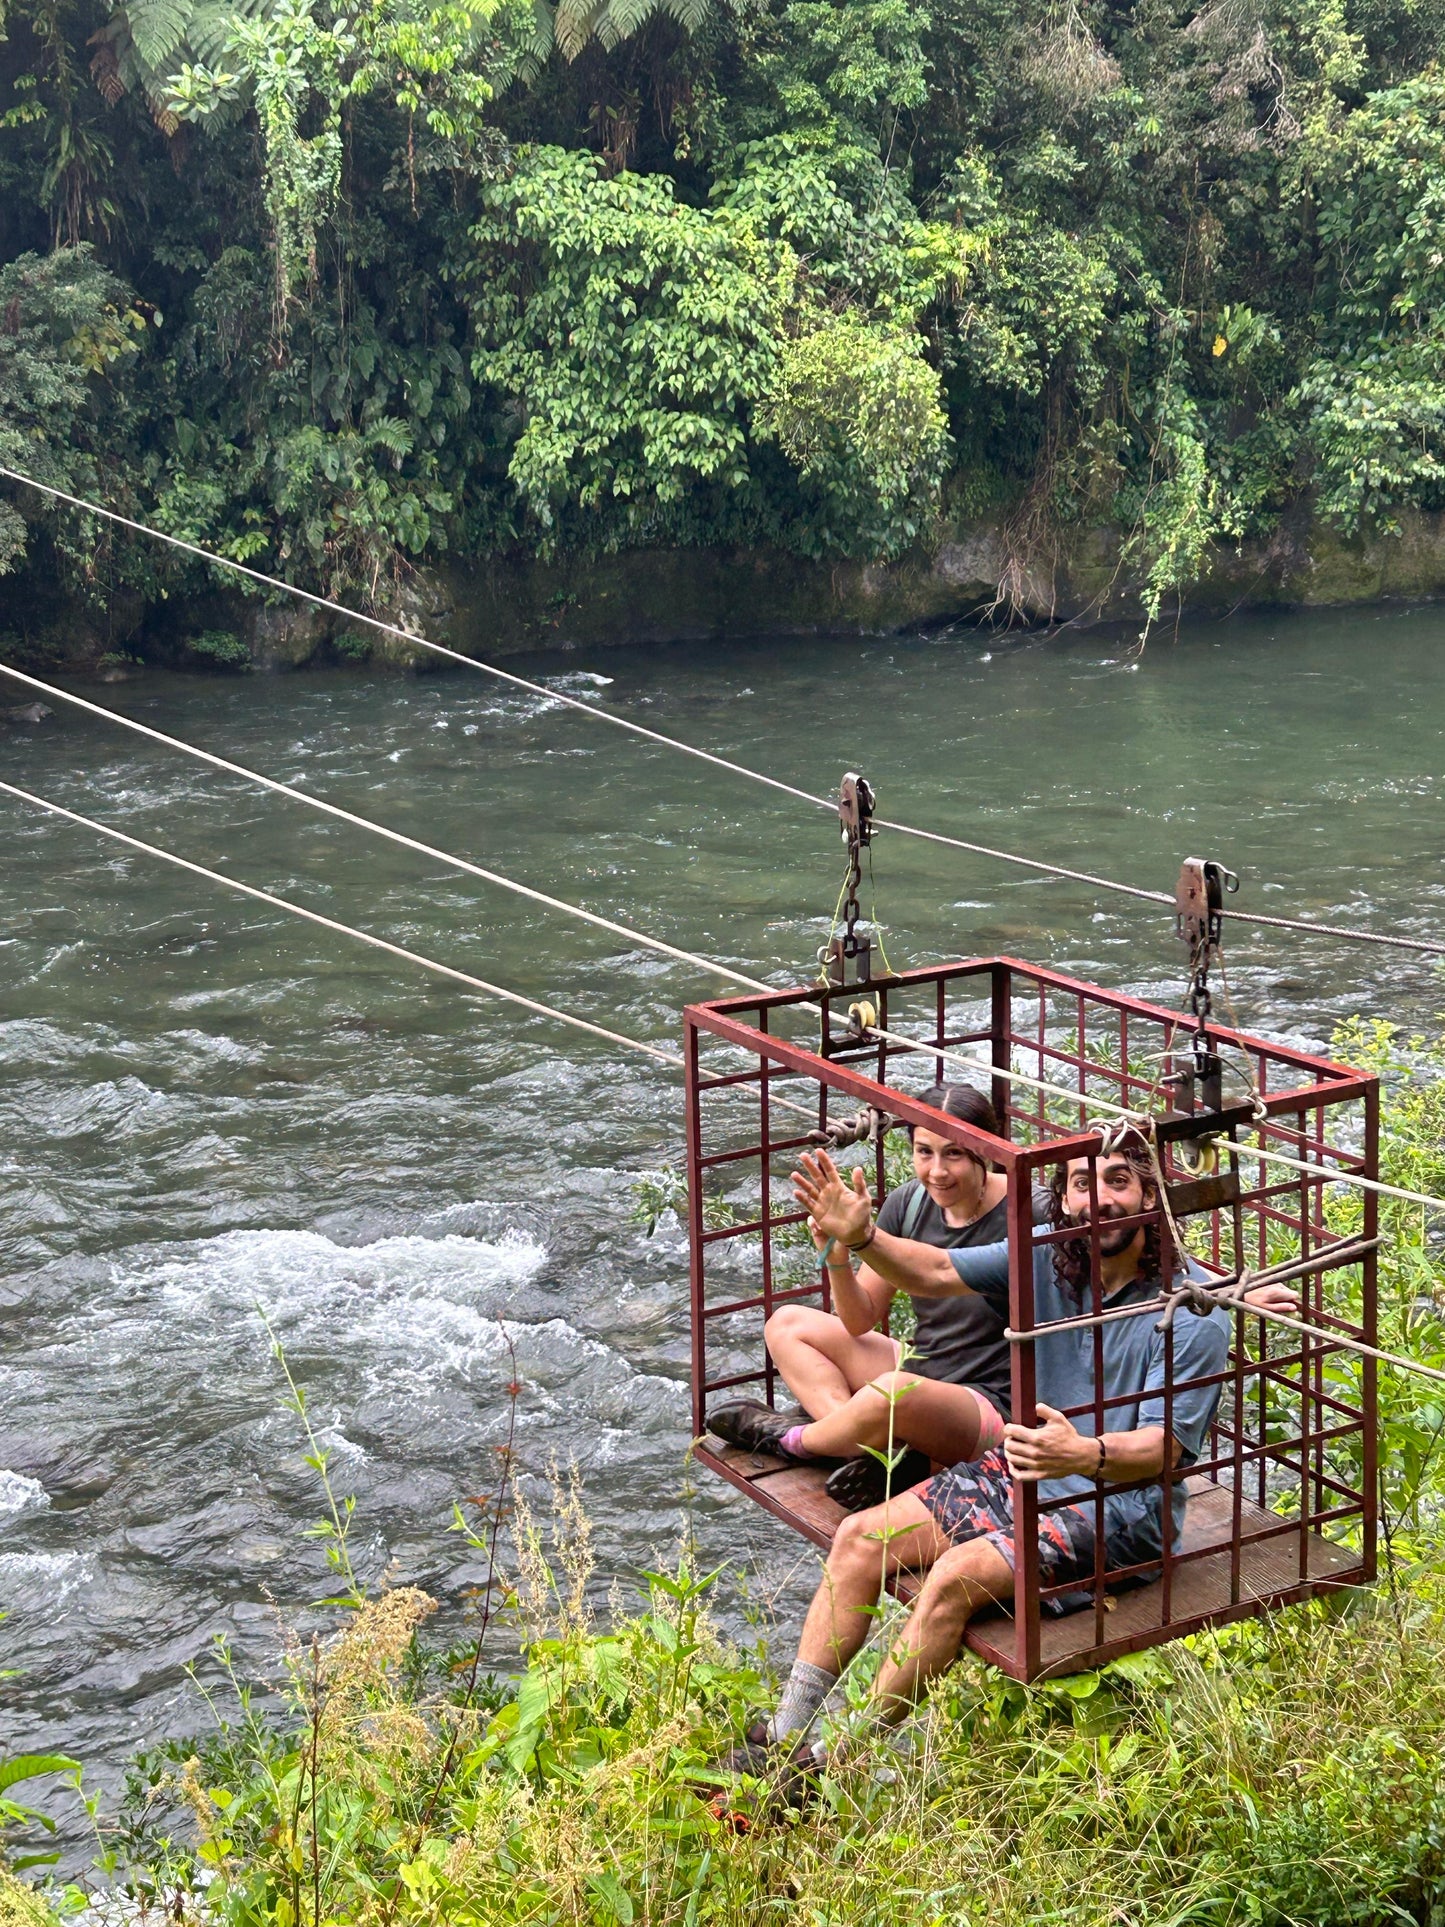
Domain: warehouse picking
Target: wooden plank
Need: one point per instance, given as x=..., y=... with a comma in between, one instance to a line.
x=1270, y=1568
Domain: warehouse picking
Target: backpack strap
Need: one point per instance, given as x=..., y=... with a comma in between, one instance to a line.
x=913, y=1210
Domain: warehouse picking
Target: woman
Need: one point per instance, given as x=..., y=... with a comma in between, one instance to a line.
x=946, y=1398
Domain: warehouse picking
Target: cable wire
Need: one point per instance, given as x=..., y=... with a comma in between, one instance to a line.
x=343, y=929
x=380, y=829
x=377, y=943
x=383, y=627
x=1139, y=1120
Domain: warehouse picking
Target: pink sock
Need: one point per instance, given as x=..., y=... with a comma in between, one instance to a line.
x=792, y=1443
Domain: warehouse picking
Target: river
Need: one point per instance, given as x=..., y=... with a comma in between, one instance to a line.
x=210, y=1111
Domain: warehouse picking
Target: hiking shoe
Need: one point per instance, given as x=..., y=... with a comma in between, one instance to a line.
x=753, y=1427
x=864, y=1481
x=787, y=1771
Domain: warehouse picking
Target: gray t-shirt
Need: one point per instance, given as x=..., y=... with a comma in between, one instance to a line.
x=1133, y=1358
x=958, y=1341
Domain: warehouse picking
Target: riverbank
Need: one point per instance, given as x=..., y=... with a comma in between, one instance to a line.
x=512, y=604
x=1196, y=1783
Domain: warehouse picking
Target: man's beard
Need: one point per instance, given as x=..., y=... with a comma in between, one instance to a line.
x=1111, y=1243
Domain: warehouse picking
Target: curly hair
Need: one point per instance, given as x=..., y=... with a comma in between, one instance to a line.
x=1073, y=1256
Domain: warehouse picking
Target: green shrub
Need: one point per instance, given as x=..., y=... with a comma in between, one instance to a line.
x=221, y=647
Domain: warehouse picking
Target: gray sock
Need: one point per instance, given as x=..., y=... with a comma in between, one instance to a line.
x=804, y=1693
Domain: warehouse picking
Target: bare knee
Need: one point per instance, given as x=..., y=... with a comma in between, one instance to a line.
x=855, y=1542
x=891, y=1384
x=796, y=1324
x=962, y=1582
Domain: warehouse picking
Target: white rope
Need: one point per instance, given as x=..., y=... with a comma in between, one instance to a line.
x=1271, y=1156
x=1332, y=1339
x=343, y=929
x=392, y=836
x=409, y=636
x=1139, y=1120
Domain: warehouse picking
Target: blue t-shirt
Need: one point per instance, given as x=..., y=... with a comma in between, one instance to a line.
x=1133, y=1355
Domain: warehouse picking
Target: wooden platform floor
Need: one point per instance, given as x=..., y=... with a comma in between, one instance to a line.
x=1270, y=1570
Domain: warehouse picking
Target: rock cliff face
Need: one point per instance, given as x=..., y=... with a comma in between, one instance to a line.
x=689, y=594
x=670, y=595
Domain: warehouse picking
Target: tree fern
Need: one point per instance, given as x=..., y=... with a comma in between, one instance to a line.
x=572, y=23
x=157, y=29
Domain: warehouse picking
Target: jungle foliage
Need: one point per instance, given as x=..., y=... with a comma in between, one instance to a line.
x=340, y=286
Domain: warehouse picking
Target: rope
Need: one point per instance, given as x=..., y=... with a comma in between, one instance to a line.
x=1272, y=1156
x=377, y=943
x=1229, y=1296
x=380, y=829
x=1134, y=1120
x=415, y=641
x=344, y=929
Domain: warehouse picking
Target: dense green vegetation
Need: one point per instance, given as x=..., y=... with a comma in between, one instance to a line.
x=345, y=286
x=1289, y=1770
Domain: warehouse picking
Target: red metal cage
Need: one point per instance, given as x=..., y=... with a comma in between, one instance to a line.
x=1281, y=1504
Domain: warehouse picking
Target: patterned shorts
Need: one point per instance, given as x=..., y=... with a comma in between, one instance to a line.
x=976, y=1502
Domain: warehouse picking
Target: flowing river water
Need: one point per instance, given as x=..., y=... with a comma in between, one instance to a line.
x=211, y=1112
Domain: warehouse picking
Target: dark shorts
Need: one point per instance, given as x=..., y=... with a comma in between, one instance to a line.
x=976, y=1502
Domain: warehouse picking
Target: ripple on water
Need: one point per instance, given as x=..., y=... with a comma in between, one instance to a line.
x=40, y=1581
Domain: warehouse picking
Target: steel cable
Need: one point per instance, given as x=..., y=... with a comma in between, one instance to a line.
x=377, y=943
x=670, y=1058
x=1139, y=1121
x=414, y=640
x=343, y=929
x=392, y=836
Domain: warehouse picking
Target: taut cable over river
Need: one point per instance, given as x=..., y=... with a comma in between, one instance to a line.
x=231, y=1111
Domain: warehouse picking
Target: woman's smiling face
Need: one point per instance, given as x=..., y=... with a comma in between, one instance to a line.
x=952, y=1177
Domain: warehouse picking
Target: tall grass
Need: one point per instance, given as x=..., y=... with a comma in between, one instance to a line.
x=1289, y=1770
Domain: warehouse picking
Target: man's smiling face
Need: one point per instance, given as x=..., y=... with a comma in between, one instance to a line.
x=1123, y=1192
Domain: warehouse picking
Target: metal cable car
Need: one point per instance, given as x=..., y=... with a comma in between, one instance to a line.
x=1281, y=1505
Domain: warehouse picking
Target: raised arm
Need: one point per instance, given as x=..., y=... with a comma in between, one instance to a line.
x=860, y=1298
x=845, y=1212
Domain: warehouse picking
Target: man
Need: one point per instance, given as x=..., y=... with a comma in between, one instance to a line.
x=958, y=1527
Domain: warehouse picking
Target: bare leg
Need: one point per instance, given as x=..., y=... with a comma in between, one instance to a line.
x=885, y=1539
x=820, y=1361
x=941, y=1420
x=962, y=1581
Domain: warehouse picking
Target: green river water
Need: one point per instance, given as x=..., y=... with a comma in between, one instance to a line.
x=208, y=1108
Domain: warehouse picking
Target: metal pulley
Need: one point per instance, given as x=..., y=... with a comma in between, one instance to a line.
x=856, y=803
x=1199, y=903
x=848, y=959
x=1199, y=921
